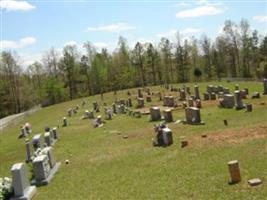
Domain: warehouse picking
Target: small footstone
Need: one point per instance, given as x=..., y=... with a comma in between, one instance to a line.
x=125, y=136
x=204, y=135
x=254, y=182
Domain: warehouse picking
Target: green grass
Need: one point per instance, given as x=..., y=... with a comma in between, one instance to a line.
x=103, y=165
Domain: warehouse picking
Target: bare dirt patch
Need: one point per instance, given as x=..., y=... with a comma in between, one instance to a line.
x=232, y=136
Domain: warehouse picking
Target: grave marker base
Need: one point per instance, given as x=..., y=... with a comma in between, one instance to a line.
x=49, y=178
x=28, y=194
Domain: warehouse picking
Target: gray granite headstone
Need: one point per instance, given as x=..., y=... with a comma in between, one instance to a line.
x=155, y=114
x=20, y=183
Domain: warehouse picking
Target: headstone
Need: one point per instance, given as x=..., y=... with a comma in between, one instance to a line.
x=265, y=86
x=212, y=96
x=226, y=91
x=28, y=151
x=48, y=139
x=243, y=94
x=139, y=92
x=114, y=108
x=182, y=95
x=236, y=87
x=227, y=101
x=190, y=102
x=225, y=122
x=148, y=98
x=167, y=136
x=184, y=104
x=140, y=102
x=193, y=115
x=206, y=96
x=247, y=91
x=238, y=100
x=234, y=171
x=20, y=183
x=130, y=102
x=36, y=141
x=70, y=111
x=155, y=114
x=65, y=123
x=254, y=182
x=168, y=115
x=196, y=89
x=255, y=95
x=198, y=103
x=55, y=133
x=249, y=107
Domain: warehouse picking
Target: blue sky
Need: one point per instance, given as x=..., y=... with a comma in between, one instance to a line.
x=32, y=27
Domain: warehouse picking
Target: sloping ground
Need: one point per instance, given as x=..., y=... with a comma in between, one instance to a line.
x=104, y=165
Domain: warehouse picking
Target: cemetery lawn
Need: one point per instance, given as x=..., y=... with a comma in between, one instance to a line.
x=104, y=165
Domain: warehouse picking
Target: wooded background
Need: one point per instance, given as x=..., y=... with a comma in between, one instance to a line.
x=237, y=52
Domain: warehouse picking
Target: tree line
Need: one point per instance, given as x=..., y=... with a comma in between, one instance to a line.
x=237, y=52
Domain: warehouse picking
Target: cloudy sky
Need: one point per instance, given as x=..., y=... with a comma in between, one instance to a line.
x=32, y=27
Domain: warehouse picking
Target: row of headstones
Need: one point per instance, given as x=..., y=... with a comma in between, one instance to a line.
x=43, y=162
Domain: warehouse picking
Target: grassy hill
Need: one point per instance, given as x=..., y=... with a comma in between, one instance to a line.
x=104, y=165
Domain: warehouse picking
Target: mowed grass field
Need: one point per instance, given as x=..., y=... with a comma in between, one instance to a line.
x=104, y=165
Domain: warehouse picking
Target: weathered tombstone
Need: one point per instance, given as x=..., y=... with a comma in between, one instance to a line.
x=212, y=96
x=264, y=86
x=225, y=122
x=254, y=182
x=238, y=100
x=220, y=88
x=65, y=122
x=155, y=114
x=96, y=107
x=182, y=95
x=167, y=136
x=36, y=141
x=28, y=151
x=168, y=115
x=243, y=94
x=20, y=183
x=148, y=98
x=198, y=103
x=140, y=94
x=137, y=114
x=55, y=133
x=108, y=114
x=226, y=91
x=227, y=101
x=196, y=89
x=130, y=102
x=165, y=100
x=249, y=107
x=206, y=96
x=140, y=102
x=193, y=115
x=234, y=171
x=184, y=104
x=190, y=102
x=255, y=95
x=188, y=90
x=171, y=101
x=70, y=112
x=247, y=91
x=48, y=139
x=114, y=108
x=44, y=167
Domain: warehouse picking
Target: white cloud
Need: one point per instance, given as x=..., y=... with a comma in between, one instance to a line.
x=200, y=11
x=10, y=44
x=173, y=32
x=260, y=18
x=112, y=27
x=71, y=43
x=10, y=5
